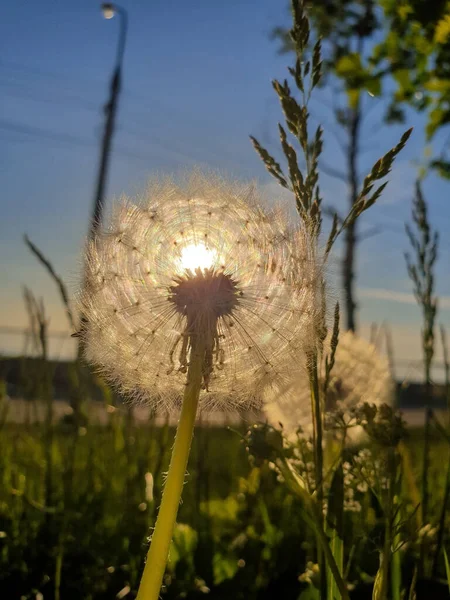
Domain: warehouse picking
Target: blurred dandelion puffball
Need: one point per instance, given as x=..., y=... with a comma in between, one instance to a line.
x=200, y=261
x=360, y=374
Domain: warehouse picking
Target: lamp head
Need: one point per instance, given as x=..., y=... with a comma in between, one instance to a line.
x=108, y=10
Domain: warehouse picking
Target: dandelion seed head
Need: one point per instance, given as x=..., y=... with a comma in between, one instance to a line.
x=192, y=259
x=360, y=374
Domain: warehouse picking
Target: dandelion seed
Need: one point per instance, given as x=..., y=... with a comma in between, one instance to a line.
x=359, y=375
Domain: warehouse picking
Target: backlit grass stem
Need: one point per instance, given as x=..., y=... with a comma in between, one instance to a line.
x=312, y=514
x=318, y=455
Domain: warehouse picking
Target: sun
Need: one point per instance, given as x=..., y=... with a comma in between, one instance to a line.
x=197, y=256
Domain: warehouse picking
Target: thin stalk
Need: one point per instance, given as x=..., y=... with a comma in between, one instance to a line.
x=446, y=499
x=155, y=565
x=441, y=529
x=381, y=585
x=317, y=417
x=425, y=472
x=318, y=460
x=312, y=515
x=396, y=564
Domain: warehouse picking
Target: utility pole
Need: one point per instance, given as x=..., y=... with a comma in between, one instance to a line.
x=109, y=11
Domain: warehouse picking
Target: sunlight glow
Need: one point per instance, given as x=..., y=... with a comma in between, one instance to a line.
x=197, y=256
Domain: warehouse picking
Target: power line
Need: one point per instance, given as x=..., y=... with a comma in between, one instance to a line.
x=131, y=114
x=19, y=90
x=66, y=138
x=42, y=73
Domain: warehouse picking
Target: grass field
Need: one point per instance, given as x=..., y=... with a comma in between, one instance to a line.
x=76, y=509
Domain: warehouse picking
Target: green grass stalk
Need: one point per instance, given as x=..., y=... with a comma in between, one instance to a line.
x=312, y=515
x=446, y=499
x=396, y=565
x=318, y=459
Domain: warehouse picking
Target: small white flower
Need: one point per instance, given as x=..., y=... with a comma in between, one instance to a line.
x=362, y=486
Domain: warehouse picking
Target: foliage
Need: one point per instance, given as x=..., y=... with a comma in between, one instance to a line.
x=416, y=50
x=247, y=539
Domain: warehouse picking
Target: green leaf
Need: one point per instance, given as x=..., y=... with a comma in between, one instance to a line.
x=442, y=31
x=396, y=562
x=379, y=585
x=373, y=86
x=447, y=569
x=310, y=593
x=353, y=97
x=412, y=589
x=437, y=85
x=222, y=510
x=349, y=66
x=335, y=513
x=403, y=78
x=224, y=567
x=442, y=167
x=184, y=542
x=335, y=529
x=438, y=117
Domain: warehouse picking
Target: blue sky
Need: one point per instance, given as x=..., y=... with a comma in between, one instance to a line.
x=196, y=83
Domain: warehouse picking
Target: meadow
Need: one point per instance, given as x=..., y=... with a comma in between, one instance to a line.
x=200, y=294
x=75, y=522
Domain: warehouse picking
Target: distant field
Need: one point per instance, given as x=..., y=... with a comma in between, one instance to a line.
x=22, y=411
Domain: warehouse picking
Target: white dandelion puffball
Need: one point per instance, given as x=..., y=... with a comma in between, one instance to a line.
x=360, y=374
x=201, y=258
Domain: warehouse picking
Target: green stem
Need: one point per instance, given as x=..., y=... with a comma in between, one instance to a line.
x=155, y=565
x=313, y=517
x=318, y=458
x=425, y=472
x=441, y=529
x=381, y=585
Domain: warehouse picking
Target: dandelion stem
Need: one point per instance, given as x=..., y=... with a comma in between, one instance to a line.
x=155, y=565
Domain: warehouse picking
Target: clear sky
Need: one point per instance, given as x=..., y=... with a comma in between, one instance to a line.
x=196, y=83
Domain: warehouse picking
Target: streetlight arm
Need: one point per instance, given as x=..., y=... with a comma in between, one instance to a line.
x=122, y=35
x=109, y=10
